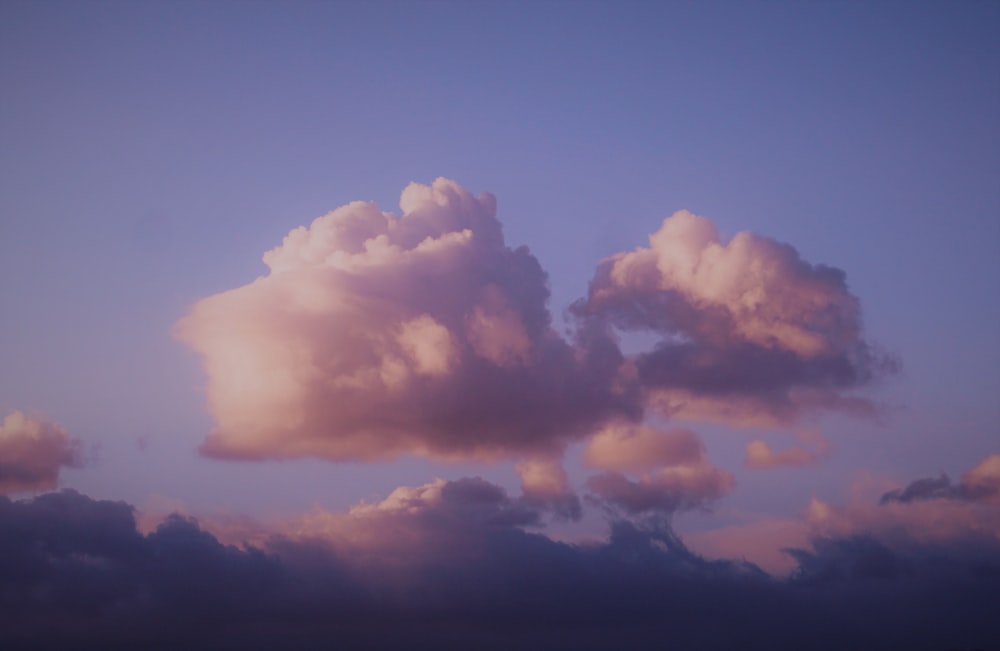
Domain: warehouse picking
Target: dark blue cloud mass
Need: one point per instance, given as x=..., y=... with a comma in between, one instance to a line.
x=460, y=572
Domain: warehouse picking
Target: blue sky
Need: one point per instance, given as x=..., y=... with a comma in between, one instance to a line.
x=152, y=152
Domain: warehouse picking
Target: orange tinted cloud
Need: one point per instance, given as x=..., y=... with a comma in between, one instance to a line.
x=624, y=447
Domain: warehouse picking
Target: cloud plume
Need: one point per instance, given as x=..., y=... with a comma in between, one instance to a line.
x=32, y=451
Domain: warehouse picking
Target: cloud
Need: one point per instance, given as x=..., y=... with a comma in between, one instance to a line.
x=673, y=471
x=451, y=566
x=979, y=484
x=759, y=454
x=374, y=335
x=545, y=484
x=669, y=489
x=750, y=333
x=625, y=447
x=32, y=450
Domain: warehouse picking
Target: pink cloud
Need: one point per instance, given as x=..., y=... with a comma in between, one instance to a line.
x=628, y=447
x=32, y=451
x=750, y=333
x=759, y=454
x=672, y=467
x=375, y=334
x=544, y=483
x=927, y=517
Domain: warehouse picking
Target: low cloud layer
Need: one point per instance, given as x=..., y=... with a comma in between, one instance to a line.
x=457, y=565
x=32, y=451
x=375, y=334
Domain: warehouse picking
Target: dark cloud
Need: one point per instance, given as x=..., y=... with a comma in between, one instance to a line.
x=452, y=567
x=979, y=484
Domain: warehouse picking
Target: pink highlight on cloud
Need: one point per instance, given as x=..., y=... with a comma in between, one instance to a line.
x=32, y=451
x=671, y=466
x=543, y=478
x=760, y=456
x=628, y=447
x=376, y=334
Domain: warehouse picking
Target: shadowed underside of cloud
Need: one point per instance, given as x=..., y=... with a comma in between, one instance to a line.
x=375, y=334
x=32, y=450
x=451, y=566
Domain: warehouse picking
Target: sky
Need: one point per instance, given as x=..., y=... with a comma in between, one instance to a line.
x=407, y=298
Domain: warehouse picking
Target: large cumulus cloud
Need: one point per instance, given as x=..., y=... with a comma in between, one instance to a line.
x=32, y=451
x=375, y=334
x=749, y=332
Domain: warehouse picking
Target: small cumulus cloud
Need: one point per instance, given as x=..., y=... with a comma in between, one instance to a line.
x=760, y=456
x=624, y=447
x=750, y=334
x=32, y=452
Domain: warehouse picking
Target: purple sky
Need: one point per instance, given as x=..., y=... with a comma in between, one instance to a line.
x=151, y=153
